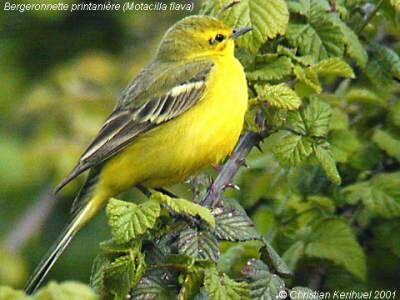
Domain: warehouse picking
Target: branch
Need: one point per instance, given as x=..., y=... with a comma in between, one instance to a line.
x=237, y=159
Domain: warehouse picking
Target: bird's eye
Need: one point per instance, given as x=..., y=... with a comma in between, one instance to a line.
x=219, y=37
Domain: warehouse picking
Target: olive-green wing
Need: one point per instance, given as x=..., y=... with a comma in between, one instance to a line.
x=160, y=93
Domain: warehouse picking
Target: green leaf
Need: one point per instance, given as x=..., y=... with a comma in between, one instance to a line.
x=334, y=240
x=396, y=4
x=128, y=220
x=236, y=256
x=269, y=255
x=384, y=234
x=12, y=268
x=263, y=284
x=267, y=18
x=319, y=36
x=184, y=206
x=312, y=119
x=333, y=66
x=308, y=77
x=224, y=288
x=233, y=224
x=325, y=158
x=65, y=291
x=191, y=284
x=387, y=142
x=7, y=293
x=292, y=255
x=364, y=95
x=383, y=67
x=305, y=60
x=291, y=148
x=280, y=96
x=156, y=284
x=270, y=67
x=344, y=143
x=394, y=114
x=197, y=243
x=339, y=120
x=316, y=116
x=354, y=47
x=380, y=194
x=113, y=277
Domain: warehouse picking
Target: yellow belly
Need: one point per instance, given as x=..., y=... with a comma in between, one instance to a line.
x=203, y=135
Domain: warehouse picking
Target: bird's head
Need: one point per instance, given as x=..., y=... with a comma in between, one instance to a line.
x=198, y=36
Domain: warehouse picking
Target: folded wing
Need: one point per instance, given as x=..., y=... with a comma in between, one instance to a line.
x=159, y=94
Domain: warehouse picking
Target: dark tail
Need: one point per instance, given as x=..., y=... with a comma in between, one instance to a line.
x=79, y=220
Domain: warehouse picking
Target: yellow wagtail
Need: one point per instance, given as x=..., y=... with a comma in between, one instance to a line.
x=184, y=111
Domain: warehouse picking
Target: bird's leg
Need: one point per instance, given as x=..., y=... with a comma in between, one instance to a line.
x=166, y=192
x=216, y=167
x=144, y=190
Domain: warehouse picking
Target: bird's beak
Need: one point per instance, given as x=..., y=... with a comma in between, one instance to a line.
x=239, y=31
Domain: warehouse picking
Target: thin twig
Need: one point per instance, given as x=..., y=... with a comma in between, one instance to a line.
x=370, y=17
x=226, y=7
x=231, y=167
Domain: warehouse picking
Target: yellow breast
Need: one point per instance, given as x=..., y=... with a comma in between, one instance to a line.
x=203, y=135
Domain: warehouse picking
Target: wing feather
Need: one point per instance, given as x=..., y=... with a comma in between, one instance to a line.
x=127, y=122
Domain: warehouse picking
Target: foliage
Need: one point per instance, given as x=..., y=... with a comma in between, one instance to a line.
x=52, y=291
x=319, y=206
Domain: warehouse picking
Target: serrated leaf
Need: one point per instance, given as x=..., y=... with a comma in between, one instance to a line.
x=267, y=18
x=292, y=148
x=383, y=67
x=200, y=244
x=320, y=37
x=156, y=284
x=97, y=274
x=333, y=66
x=312, y=119
x=305, y=60
x=128, y=220
x=65, y=291
x=224, y=288
x=334, y=240
x=269, y=67
x=325, y=158
x=380, y=194
x=354, y=47
x=280, y=95
x=308, y=77
x=270, y=256
x=186, y=207
x=233, y=224
x=113, y=277
x=262, y=283
x=387, y=142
